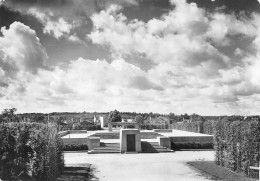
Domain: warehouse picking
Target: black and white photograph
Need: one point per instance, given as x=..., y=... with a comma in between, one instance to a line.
x=129, y=90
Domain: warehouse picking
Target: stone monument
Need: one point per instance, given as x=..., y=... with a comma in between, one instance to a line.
x=130, y=140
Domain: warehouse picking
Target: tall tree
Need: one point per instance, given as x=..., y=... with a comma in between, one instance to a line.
x=114, y=116
x=139, y=119
x=8, y=115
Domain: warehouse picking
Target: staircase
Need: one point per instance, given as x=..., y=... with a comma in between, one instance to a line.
x=147, y=147
x=106, y=148
x=153, y=147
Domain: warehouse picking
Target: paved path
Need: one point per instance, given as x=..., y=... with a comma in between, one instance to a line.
x=142, y=167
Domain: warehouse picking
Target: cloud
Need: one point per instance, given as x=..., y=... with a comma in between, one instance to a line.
x=87, y=84
x=21, y=48
x=192, y=67
x=21, y=58
x=187, y=49
x=63, y=18
x=144, y=84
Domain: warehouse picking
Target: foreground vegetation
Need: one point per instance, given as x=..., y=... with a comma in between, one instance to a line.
x=236, y=142
x=29, y=150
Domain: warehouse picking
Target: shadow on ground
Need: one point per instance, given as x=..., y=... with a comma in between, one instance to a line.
x=215, y=172
x=79, y=173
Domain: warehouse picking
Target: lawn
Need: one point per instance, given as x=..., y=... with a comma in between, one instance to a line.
x=217, y=172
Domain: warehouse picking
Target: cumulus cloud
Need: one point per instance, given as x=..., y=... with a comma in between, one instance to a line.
x=186, y=48
x=62, y=18
x=21, y=57
x=22, y=48
x=195, y=63
x=87, y=84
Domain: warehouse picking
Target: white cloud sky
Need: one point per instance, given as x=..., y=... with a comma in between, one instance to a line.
x=190, y=71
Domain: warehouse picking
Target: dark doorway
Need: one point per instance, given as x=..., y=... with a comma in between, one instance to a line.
x=130, y=139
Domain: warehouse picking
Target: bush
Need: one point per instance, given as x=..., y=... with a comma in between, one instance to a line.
x=80, y=127
x=31, y=148
x=73, y=147
x=179, y=146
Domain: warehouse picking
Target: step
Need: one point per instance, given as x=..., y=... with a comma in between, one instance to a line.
x=109, y=144
x=106, y=148
x=153, y=147
x=102, y=152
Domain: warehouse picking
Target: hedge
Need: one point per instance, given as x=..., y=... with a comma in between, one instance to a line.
x=33, y=149
x=79, y=127
x=206, y=127
x=179, y=146
x=74, y=147
x=196, y=127
x=237, y=144
x=153, y=126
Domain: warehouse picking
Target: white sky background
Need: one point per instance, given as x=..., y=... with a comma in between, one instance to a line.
x=187, y=60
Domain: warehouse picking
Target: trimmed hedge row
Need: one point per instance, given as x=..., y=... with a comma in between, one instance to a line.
x=79, y=127
x=32, y=149
x=237, y=144
x=74, y=147
x=197, y=127
x=153, y=126
x=179, y=146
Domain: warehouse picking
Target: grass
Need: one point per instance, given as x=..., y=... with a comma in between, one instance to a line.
x=71, y=173
x=216, y=172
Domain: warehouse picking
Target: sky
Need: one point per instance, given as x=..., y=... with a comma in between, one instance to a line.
x=194, y=56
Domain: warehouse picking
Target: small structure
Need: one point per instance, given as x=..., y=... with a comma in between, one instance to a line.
x=130, y=140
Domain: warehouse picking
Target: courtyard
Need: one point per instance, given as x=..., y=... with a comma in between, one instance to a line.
x=142, y=167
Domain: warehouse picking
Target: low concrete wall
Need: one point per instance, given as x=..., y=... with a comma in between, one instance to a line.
x=164, y=141
x=192, y=139
x=64, y=133
x=162, y=130
x=77, y=131
x=75, y=141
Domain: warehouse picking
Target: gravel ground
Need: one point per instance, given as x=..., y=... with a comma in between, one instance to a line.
x=142, y=167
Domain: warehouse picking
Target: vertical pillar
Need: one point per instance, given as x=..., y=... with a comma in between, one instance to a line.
x=137, y=126
x=109, y=127
x=102, y=122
